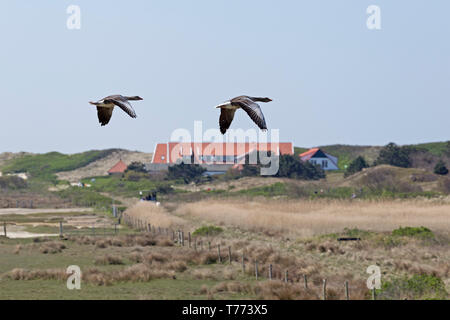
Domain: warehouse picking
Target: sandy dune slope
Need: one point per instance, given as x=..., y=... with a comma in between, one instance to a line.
x=101, y=167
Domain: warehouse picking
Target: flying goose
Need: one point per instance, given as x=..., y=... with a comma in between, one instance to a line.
x=248, y=104
x=106, y=106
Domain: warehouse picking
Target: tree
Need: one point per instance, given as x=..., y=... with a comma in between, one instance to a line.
x=395, y=156
x=137, y=167
x=187, y=172
x=440, y=168
x=356, y=165
x=292, y=167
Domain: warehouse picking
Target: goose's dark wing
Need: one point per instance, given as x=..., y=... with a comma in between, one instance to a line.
x=122, y=104
x=226, y=117
x=252, y=109
x=104, y=114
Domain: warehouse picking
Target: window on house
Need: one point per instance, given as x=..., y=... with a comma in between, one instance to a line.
x=324, y=164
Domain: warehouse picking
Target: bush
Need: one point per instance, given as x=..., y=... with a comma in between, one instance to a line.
x=395, y=156
x=417, y=287
x=137, y=167
x=293, y=167
x=440, y=168
x=420, y=232
x=12, y=182
x=289, y=167
x=187, y=172
x=356, y=165
x=207, y=230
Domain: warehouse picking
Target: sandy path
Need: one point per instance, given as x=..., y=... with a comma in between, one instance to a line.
x=33, y=211
x=24, y=234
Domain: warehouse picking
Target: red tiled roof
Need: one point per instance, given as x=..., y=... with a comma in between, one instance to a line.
x=169, y=153
x=308, y=154
x=119, y=167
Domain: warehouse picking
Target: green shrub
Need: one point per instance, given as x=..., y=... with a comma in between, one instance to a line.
x=137, y=167
x=420, y=232
x=356, y=233
x=187, y=172
x=440, y=168
x=289, y=167
x=395, y=156
x=12, y=182
x=293, y=167
x=207, y=231
x=417, y=287
x=356, y=165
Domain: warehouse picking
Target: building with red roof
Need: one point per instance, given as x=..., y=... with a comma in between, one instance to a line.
x=214, y=153
x=215, y=157
x=318, y=156
x=118, y=168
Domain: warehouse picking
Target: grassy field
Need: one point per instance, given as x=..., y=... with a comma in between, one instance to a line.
x=295, y=236
x=401, y=217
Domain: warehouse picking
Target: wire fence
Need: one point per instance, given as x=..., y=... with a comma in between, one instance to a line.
x=226, y=254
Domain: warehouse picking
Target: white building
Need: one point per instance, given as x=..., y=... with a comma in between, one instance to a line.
x=317, y=156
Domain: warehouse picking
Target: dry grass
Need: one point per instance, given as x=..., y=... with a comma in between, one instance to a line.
x=108, y=259
x=158, y=216
x=308, y=218
x=52, y=247
x=129, y=240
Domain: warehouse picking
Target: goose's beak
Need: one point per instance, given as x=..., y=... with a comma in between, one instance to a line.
x=94, y=103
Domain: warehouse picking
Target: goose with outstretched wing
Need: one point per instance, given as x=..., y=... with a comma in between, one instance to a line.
x=246, y=103
x=106, y=106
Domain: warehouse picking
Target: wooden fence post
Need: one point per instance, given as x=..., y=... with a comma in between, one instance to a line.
x=347, y=297
x=286, y=276
x=4, y=228
x=195, y=244
x=256, y=270
x=115, y=228
x=60, y=229
x=229, y=254
x=218, y=251
x=209, y=245
x=305, y=277
x=324, y=289
x=189, y=239
x=182, y=238
x=374, y=295
x=270, y=272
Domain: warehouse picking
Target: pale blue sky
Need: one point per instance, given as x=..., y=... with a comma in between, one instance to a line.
x=331, y=79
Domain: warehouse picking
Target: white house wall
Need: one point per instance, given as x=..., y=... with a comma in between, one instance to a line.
x=331, y=165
